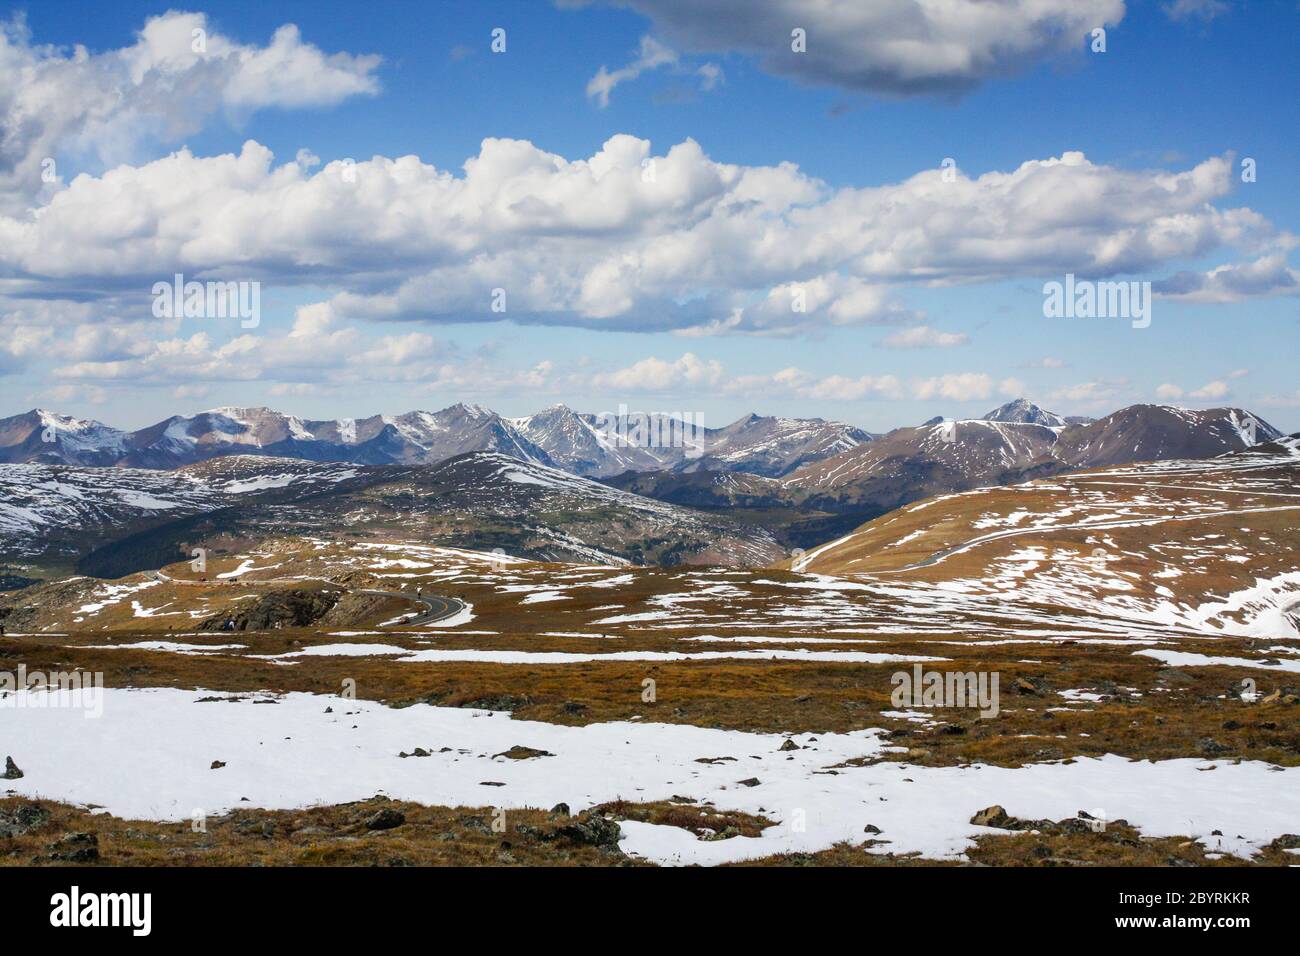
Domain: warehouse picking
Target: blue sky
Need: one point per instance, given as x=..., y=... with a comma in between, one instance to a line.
x=1178, y=86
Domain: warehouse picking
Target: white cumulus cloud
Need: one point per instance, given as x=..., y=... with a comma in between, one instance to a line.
x=61, y=104
x=622, y=239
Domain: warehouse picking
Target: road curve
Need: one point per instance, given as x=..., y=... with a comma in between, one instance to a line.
x=436, y=607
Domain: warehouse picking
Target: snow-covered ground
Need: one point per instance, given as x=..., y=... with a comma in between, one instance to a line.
x=150, y=757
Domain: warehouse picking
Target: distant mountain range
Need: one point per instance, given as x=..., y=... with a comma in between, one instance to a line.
x=603, y=446
x=1023, y=438
x=583, y=444
x=1010, y=444
x=466, y=476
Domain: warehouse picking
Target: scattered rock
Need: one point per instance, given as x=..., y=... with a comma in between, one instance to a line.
x=748, y=782
x=499, y=702
x=23, y=819
x=518, y=752
x=217, y=764
x=385, y=819
x=11, y=770
x=789, y=745
x=871, y=828
x=295, y=607
x=726, y=833
x=592, y=830
x=573, y=708
x=1208, y=745
x=994, y=816
x=75, y=848
x=562, y=809
x=417, y=752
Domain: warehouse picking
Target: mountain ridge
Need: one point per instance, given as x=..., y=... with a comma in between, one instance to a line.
x=581, y=443
x=941, y=457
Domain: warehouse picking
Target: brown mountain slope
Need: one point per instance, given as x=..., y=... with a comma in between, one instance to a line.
x=1184, y=544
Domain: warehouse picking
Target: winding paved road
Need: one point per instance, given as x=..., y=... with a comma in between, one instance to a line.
x=436, y=607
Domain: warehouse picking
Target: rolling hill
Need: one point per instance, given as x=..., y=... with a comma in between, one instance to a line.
x=1201, y=545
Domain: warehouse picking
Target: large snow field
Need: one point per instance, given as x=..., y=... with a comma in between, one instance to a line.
x=150, y=755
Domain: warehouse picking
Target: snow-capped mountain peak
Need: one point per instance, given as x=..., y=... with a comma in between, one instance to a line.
x=1024, y=412
x=46, y=436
